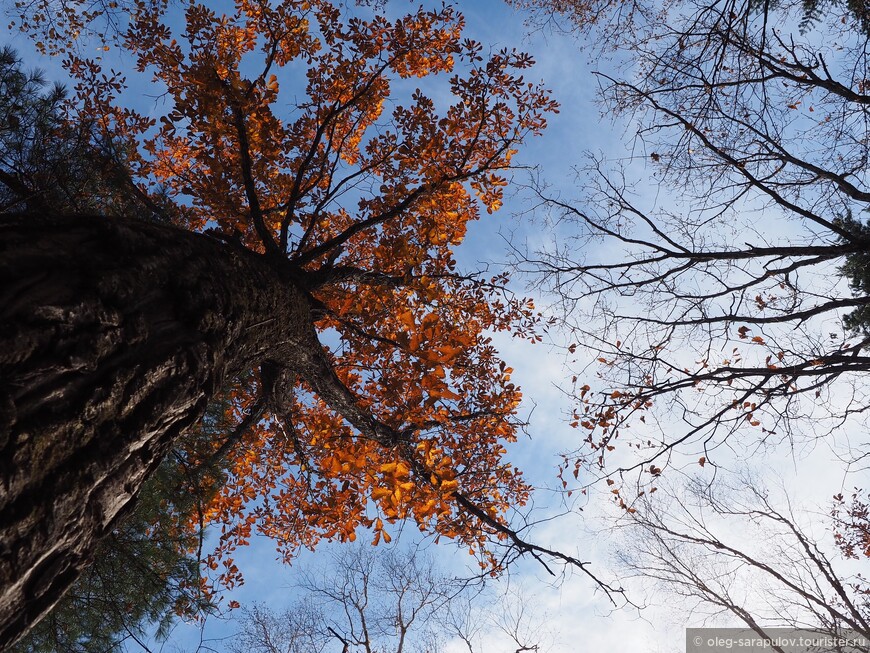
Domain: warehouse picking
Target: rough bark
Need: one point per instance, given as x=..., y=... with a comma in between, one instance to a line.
x=113, y=337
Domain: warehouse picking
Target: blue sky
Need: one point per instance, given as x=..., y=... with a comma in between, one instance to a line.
x=578, y=618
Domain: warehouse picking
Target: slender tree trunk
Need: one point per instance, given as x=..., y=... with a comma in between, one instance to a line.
x=113, y=337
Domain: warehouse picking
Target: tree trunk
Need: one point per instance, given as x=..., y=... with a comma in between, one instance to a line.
x=113, y=337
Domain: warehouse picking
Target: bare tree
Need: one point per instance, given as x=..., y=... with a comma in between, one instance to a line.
x=361, y=599
x=508, y=617
x=726, y=552
x=366, y=600
x=729, y=288
x=719, y=274
x=296, y=630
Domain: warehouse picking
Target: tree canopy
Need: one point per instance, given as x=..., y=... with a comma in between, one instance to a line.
x=346, y=198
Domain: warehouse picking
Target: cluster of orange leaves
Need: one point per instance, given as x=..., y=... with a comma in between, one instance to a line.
x=306, y=475
x=852, y=532
x=852, y=524
x=308, y=121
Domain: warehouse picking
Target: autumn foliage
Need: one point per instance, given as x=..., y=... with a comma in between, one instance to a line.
x=296, y=131
x=852, y=520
